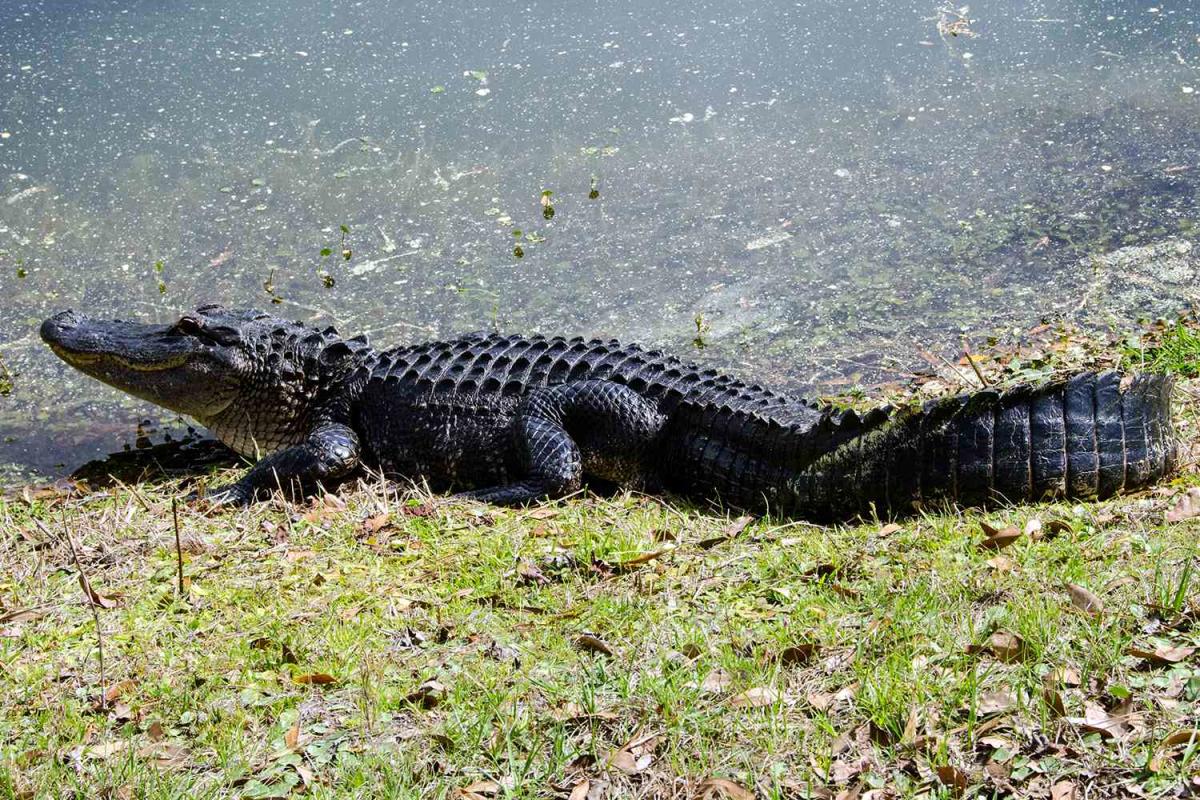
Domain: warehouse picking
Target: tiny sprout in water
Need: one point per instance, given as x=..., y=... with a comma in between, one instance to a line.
x=518, y=251
x=346, y=253
x=345, y=228
x=21, y=272
x=326, y=251
x=595, y=189
x=517, y=233
x=327, y=280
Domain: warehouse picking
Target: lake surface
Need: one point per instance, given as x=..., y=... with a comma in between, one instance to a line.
x=824, y=188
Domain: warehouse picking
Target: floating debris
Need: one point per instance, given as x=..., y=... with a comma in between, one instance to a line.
x=773, y=238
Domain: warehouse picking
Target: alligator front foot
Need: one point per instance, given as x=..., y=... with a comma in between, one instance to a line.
x=232, y=496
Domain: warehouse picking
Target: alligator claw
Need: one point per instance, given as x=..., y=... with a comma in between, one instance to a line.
x=232, y=496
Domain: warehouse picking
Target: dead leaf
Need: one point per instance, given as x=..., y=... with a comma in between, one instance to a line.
x=1097, y=720
x=593, y=644
x=1006, y=646
x=545, y=512
x=377, y=523
x=998, y=539
x=23, y=614
x=580, y=790
x=428, y=694
x=292, y=737
x=1054, y=701
x=165, y=754
x=1163, y=655
x=1033, y=528
x=315, y=679
x=1186, y=507
x=1064, y=790
x=1085, y=600
x=716, y=682
x=996, y=702
x=954, y=779
x=889, y=529
x=714, y=788
x=118, y=690
x=156, y=732
x=757, y=697
x=797, y=654
x=1057, y=526
x=1186, y=736
x=635, y=756
x=95, y=597
x=643, y=558
x=479, y=790
x=106, y=750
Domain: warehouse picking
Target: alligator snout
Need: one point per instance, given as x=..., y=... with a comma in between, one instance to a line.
x=53, y=328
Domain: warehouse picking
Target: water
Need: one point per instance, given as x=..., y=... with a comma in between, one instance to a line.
x=823, y=187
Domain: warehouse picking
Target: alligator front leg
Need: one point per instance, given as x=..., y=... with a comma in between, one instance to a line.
x=601, y=427
x=328, y=454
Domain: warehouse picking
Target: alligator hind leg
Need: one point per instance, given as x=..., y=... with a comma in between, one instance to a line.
x=563, y=432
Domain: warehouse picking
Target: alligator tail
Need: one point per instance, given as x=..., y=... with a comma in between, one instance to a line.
x=1091, y=436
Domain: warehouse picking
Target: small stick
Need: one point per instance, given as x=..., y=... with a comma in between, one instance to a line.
x=90, y=594
x=974, y=366
x=178, y=547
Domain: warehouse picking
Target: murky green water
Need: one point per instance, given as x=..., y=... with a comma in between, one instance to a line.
x=828, y=186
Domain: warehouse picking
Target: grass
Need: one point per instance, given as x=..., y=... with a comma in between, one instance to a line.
x=390, y=644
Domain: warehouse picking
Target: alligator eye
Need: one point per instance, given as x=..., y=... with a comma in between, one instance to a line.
x=189, y=326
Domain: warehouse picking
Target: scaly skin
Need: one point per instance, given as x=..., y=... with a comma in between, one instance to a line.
x=512, y=419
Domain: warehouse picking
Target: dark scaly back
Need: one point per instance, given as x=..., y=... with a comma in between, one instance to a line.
x=511, y=365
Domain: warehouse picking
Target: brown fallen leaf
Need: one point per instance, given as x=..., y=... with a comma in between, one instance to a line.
x=954, y=779
x=757, y=697
x=315, y=679
x=1055, y=527
x=95, y=597
x=643, y=558
x=998, y=539
x=1188, y=736
x=292, y=738
x=797, y=654
x=580, y=790
x=635, y=756
x=593, y=644
x=156, y=732
x=1085, y=600
x=165, y=754
x=377, y=523
x=428, y=694
x=479, y=790
x=23, y=614
x=1054, y=701
x=715, y=788
x=117, y=691
x=716, y=681
x=1186, y=507
x=995, y=702
x=1097, y=720
x=1162, y=655
x=1064, y=790
x=105, y=750
x=1006, y=646
x=889, y=529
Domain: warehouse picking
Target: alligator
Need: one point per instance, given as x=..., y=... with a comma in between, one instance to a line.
x=516, y=419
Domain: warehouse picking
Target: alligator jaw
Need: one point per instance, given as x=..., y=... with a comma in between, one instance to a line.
x=153, y=362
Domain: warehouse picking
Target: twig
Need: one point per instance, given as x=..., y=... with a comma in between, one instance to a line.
x=974, y=366
x=178, y=547
x=90, y=593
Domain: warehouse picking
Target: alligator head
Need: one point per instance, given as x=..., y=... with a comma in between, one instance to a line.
x=249, y=376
